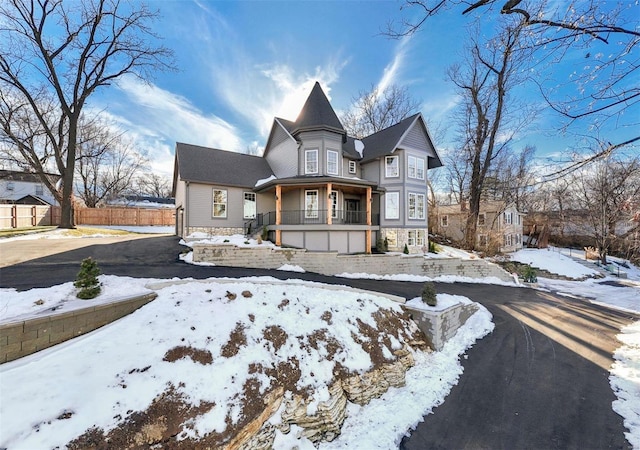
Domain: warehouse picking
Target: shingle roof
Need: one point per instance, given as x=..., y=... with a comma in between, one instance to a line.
x=317, y=113
x=384, y=141
x=213, y=166
x=14, y=175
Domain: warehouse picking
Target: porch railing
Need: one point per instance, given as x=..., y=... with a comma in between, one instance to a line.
x=313, y=217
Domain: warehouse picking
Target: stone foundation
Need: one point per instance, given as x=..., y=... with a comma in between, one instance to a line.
x=213, y=231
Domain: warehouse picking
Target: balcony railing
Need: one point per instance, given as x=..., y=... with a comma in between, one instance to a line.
x=312, y=217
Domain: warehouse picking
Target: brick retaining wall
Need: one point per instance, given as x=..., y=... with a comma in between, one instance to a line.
x=22, y=338
x=331, y=263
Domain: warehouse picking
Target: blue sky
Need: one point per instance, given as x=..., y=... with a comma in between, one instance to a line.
x=240, y=63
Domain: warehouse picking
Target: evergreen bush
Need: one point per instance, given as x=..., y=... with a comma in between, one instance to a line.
x=381, y=245
x=433, y=247
x=530, y=275
x=87, y=280
x=429, y=294
x=406, y=249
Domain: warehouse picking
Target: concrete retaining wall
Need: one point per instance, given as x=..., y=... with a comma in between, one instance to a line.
x=331, y=263
x=440, y=326
x=22, y=338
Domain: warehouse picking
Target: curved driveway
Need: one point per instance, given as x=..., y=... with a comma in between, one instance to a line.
x=539, y=381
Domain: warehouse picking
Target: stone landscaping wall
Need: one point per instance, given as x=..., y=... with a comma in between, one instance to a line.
x=440, y=326
x=331, y=263
x=22, y=338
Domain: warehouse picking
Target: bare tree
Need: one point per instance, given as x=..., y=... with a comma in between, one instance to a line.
x=154, y=185
x=106, y=164
x=605, y=31
x=487, y=115
x=376, y=110
x=53, y=56
x=604, y=192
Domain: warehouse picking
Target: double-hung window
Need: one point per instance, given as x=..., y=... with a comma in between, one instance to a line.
x=391, y=166
x=39, y=189
x=416, y=206
x=420, y=237
x=411, y=237
x=416, y=168
x=352, y=167
x=332, y=162
x=220, y=203
x=311, y=204
x=482, y=219
x=249, y=205
x=508, y=240
x=311, y=161
x=508, y=218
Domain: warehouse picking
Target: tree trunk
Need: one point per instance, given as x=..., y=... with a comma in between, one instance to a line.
x=67, y=219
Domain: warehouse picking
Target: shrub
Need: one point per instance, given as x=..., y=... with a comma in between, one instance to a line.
x=530, y=275
x=433, y=247
x=265, y=234
x=406, y=249
x=429, y=294
x=381, y=245
x=87, y=280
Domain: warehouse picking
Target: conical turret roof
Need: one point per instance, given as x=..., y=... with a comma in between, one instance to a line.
x=317, y=114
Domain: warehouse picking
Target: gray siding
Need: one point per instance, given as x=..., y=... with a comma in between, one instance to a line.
x=322, y=141
x=416, y=139
x=282, y=159
x=200, y=207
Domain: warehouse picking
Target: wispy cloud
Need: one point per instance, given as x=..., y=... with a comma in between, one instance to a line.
x=393, y=70
x=175, y=118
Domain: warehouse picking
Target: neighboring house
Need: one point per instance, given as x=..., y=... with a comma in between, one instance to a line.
x=25, y=188
x=499, y=225
x=314, y=187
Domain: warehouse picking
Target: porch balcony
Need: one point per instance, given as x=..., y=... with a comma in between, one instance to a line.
x=315, y=217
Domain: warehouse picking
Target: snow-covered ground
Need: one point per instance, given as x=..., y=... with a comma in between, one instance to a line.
x=92, y=363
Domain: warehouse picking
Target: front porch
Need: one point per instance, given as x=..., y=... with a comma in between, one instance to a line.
x=320, y=214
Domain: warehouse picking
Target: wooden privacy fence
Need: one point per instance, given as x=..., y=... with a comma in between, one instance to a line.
x=23, y=216
x=125, y=216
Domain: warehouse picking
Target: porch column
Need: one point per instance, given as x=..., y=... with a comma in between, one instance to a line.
x=278, y=213
x=329, y=204
x=368, y=232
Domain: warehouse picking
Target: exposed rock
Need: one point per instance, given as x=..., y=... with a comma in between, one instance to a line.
x=254, y=436
x=326, y=423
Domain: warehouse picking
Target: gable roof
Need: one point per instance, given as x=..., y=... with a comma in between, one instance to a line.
x=384, y=142
x=317, y=114
x=29, y=177
x=213, y=166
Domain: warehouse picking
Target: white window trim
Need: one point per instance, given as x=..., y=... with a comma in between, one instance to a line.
x=416, y=215
x=387, y=198
x=306, y=160
x=416, y=164
x=386, y=166
x=411, y=237
x=311, y=213
x=420, y=237
x=337, y=171
x=508, y=218
x=244, y=203
x=226, y=203
x=352, y=167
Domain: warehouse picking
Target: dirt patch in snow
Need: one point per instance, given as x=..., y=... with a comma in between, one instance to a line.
x=157, y=427
x=237, y=340
x=203, y=357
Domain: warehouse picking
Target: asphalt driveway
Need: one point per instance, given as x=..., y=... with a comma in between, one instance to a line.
x=539, y=381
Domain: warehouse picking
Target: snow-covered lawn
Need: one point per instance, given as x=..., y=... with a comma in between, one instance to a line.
x=184, y=339
x=553, y=262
